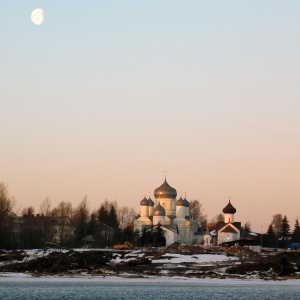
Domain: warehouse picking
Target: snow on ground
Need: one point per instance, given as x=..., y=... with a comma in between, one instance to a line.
x=21, y=277
x=171, y=258
x=196, y=258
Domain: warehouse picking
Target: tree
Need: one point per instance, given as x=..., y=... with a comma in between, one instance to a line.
x=217, y=218
x=296, y=232
x=246, y=229
x=270, y=230
x=159, y=236
x=103, y=215
x=80, y=220
x=125, y=216
x=92, y=224
x=276, y=223
x=28, y=211
x=45, y=207
x=46, y=221
x=270, y=239
x=247, y=226
x=147, y=237
x=63, y=213
x=29, y=230
x=285, y=227
x=127, y=234
x=6, y=205
x=113, y=218
x=284, y=231
x=196, y=212
x=143, y=237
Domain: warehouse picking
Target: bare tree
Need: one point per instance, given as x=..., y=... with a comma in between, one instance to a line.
x=28, y=211
x=63, y=213
x=125, y=216
x=46, y=221
x=6, y=205
x=217, y=218
x=276, y=223
x=45, y=207
x=196, y=211
x=29, y=230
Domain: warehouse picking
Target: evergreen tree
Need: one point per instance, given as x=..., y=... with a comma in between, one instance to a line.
x=270, y=230
x=149, y=237
x=113, y=218
x=80, y=220
x=143, y=237
x=285, y=227
x=103, y=215
x=270, y=239
x=284, y=231
x=92, y=225
x=127, y=234
x=159, y=236
x=296, y=232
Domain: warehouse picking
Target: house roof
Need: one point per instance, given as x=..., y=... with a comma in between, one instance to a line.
x=170, y=229
x=229, y=229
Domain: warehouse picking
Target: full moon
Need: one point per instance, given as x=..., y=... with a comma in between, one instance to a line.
x=37, y=16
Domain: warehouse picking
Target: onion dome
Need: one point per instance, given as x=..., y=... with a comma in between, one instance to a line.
x=165, y=191
x=144, y=202
x=151, y=203
x=229, y=209
x=159, y=211
x=180, y=202
x=186, y=203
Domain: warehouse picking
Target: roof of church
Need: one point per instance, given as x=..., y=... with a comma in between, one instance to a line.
x=229, y=229
x=150, y=201
x=144, y=202
x=159, y=211
x=164, y=227
x=229, y=209
x=165, y=191
x=186, y=203
x=180, y=202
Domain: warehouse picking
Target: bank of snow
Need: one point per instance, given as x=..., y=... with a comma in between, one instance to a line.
x=21, y=277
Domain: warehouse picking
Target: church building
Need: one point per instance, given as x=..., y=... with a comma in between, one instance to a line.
x=179, y=226
x=172, y=214
x=229, y=230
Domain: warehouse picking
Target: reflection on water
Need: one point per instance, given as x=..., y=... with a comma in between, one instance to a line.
x=67, y=290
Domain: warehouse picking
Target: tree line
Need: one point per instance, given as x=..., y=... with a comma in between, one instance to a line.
x=110, y=224
x=64, y=225
x=279, y=233
x=70, y=226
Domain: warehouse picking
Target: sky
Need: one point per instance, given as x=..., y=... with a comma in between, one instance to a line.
x=104, y=96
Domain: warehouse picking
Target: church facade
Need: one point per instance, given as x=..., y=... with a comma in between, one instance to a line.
x=176, y=221
x=172, y=214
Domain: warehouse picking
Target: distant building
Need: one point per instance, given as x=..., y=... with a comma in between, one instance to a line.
x=229, y=230
x=179, y=226
x=172, y=214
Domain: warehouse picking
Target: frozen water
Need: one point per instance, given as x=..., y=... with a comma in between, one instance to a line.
x=146, y=289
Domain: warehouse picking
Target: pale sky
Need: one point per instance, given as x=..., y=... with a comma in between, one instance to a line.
x=104, y=96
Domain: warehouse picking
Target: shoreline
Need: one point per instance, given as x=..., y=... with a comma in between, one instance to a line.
x=127, y=279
